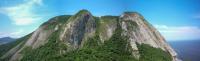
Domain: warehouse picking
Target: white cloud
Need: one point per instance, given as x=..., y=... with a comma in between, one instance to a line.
x=22, y=14
x=179, y=33
x=38, y=2
x=15, y=34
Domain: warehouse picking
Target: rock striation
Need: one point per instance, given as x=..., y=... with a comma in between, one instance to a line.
x=76, y=29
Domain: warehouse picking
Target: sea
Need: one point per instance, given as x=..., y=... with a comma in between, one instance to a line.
x=188, y=50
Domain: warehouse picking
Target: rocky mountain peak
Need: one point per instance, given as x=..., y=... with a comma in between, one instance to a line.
x=83, y=11
x=131, y=14
x=140, y=31
x=124, y=36
x=78, y=28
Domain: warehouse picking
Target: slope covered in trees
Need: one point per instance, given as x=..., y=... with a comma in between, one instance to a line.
x=83, y=37
x=114, y=49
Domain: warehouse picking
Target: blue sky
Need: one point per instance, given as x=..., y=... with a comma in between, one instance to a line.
x=175, y=19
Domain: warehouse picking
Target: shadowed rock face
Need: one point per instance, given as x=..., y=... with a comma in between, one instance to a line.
x=75, y=30
x=107, y=26
x=79, y=29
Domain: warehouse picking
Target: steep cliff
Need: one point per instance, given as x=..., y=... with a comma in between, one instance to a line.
x=85, y=37
x=78, y=28
x=140, y=31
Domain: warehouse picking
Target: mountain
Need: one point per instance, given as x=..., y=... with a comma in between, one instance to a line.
x=84, y=37
x=5, y=40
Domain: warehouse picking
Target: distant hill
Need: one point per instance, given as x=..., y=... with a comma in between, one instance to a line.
x=5, y=40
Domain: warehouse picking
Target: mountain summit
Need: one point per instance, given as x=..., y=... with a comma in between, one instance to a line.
x=84, y=37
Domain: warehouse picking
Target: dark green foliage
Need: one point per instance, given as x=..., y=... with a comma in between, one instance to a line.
x=130, y=12
x=111, y=50
x=97, y=20
x=148, y=53
x=83, y=11
x=57, y=19
x=117, y=48
x=132, y=25
x=7, y=47
x=92, y=42
x=106, y=22
x=93, y=50
x=51, y=51
x=109, y=20
x=51, y=24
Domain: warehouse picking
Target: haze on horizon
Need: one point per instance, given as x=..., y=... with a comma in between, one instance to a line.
x=176, y=20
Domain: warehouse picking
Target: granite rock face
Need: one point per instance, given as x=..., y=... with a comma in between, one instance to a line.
x=107, y=26
x=76, y=29
x=140, y=31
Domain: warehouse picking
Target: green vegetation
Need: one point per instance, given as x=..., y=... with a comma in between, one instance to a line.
x=148, y=53
x=6, y=47
x=117, y=48
x=79, y=14
x=114, y=49
x=106, y=22
x=132, y=25
x=129, y=12
x=51, y=24
x=83, y=11
x=51, y=51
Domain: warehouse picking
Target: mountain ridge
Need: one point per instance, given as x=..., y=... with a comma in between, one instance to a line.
x=76, y=32
x=5, y=40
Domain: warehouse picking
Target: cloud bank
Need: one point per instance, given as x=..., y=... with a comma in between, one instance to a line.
x=22, y=14
x=15, y=34
x=173, y=33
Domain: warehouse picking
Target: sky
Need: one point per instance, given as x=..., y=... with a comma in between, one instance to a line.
x=176, y=20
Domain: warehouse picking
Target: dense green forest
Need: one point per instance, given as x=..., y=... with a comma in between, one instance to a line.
x=117, y=48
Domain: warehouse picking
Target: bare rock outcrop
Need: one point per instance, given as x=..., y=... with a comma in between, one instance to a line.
x=107, y=26
x=78, y=29
x=140, y=31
